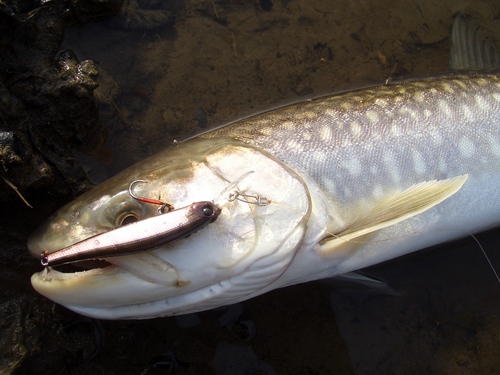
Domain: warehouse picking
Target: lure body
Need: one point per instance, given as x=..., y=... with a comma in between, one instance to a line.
x=138, y=236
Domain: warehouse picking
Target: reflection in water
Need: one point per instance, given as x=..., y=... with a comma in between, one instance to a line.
x=445, y=321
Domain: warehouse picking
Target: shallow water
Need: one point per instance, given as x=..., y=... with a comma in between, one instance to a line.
x=222, y=61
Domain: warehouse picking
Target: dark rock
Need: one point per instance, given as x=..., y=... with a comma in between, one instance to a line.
x=47, y=102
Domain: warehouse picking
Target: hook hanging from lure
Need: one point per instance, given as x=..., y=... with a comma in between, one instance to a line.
x=139, y=236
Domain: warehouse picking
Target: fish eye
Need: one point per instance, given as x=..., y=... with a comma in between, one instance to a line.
x=128, y=219
x=124, y=215
x=122, y=210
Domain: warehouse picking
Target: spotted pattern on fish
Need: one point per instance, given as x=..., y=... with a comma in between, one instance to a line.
x=383, y=128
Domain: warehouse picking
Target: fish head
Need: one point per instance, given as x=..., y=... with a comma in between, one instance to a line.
x=264, y=208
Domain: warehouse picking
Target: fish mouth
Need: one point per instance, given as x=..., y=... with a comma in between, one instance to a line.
x=196, y=300
x=113, y=288
x=84, y=265
x=120, y=289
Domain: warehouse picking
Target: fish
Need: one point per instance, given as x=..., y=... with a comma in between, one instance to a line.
x=308, y=191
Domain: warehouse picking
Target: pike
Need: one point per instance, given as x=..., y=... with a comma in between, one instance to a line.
x=309, y=191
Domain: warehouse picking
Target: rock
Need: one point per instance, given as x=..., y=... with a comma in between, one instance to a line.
x=47, y=103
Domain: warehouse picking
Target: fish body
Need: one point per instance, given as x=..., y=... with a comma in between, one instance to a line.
x=346, y=181
x=364, y=146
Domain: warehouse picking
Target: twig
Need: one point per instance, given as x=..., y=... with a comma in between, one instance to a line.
x=17, y=191
x=234, y=45
x=215, y=10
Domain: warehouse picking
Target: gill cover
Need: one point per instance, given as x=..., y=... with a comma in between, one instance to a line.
x=246, y=249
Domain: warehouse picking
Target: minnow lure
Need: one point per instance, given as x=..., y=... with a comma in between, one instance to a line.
x=139, y=236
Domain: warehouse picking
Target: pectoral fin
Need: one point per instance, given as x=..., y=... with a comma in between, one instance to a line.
x=412, y=201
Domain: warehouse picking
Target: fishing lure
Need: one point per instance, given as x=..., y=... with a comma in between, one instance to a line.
x=139, y=236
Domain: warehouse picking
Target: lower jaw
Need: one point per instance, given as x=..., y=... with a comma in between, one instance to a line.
x=84, y=265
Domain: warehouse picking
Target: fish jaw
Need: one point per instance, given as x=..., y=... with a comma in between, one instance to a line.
x=247, y=248
x=108, y=293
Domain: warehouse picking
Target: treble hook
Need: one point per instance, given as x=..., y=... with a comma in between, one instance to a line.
x=158, y=202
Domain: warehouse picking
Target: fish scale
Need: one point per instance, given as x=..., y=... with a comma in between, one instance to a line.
x=357, y=128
